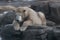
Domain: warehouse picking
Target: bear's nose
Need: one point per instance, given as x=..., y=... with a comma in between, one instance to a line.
x=19, y=18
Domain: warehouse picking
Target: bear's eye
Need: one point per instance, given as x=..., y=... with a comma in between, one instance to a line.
x=24, y=10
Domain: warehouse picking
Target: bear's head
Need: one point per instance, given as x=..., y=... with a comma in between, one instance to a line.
x=23, y=13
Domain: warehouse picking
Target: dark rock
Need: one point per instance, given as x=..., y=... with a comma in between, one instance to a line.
x=57, y=32
x=33, y=33
x=54, y=12
x=8, y=33
x=8, y=18
x=50, y=23
x=50, y=35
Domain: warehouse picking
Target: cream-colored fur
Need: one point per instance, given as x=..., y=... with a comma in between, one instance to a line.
x=16, y=25
x=43, y=18
x=8, y=7
x=33, y=18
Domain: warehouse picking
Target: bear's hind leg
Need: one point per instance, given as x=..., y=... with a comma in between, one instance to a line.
x=42, y=17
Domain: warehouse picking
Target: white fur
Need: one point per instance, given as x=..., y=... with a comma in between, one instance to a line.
x=42, y=16
x=33, y=19
x=19, y=18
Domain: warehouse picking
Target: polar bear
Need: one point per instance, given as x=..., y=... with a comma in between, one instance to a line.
x=30, y=17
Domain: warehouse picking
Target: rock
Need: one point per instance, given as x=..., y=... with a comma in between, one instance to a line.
x=8, y=33
x=54, y=12
x=50, y=23
x=8, y=18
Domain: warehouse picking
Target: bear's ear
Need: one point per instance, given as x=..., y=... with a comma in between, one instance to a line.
x=24, y=10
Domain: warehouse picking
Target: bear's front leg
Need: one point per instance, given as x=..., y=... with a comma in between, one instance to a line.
x=25, y=25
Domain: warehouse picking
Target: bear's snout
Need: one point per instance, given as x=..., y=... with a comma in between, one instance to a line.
x=19, y=18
